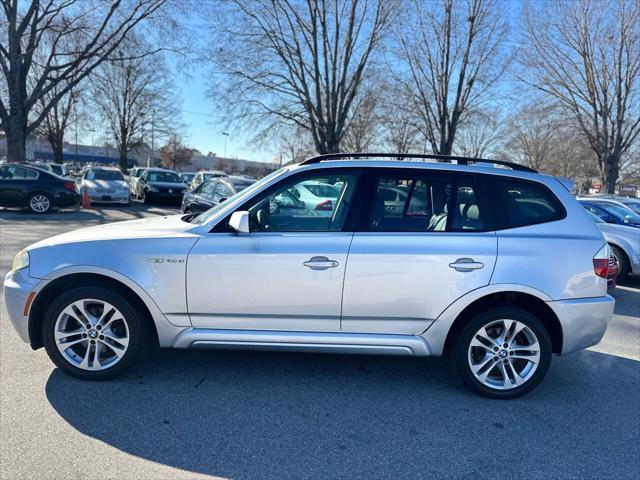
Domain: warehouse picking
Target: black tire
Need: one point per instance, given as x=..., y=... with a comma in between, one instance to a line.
x=34, y=195
x=145, y=199
x=623, y=263
x=139, y=332
x=460, y=351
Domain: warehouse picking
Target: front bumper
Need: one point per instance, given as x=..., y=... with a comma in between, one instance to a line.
x=17, y=287
x=97, y=197
x=164, y=197
x=583, y=320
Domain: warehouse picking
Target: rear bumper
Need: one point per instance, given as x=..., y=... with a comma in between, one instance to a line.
x=67, y=199
x=583, y=320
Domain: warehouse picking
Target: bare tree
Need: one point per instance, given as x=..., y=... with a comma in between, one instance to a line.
x=480, y=134
x=532, y=137
x=134, y=95
x=175, y=154
x=586, y=56
x=451, y=53
x=56, y=121
x=297, y=63
x=29, y=81
x=363, y=122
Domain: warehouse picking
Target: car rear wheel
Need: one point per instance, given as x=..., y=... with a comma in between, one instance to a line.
x=623, y=262
x=93, y=333
x=40, y=203
x=502, y=353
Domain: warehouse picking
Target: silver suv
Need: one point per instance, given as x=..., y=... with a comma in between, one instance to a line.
x=497, y=268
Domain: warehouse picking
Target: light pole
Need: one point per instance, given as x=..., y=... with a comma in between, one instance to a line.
x=153, y=135
x=93, y=147
x=226, y=134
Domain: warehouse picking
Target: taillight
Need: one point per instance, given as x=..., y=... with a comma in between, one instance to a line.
x=601, y=262
x=325, y=206
x=69, y=186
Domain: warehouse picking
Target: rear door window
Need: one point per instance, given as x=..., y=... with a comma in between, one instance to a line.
x=520, y=202
x=424, y=202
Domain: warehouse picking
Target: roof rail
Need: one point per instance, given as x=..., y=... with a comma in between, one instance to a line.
x=402, y=156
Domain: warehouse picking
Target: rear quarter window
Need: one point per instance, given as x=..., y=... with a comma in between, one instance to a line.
x=517, y=203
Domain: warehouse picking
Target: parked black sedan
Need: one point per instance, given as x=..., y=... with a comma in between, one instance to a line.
x=35, y=189
x=161, y=185
x=213, y=192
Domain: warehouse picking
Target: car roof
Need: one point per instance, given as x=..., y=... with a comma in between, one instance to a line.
x=94, y=167
x=478, y=168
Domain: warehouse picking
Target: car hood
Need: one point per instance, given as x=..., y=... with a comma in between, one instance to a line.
x=143, y=228
x=109, y=184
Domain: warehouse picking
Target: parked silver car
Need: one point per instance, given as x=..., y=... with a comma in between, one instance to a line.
x=497, y=269
x=105, y=185
x=625, y=243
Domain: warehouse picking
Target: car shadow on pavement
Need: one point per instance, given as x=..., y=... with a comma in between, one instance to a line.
x=278, y=415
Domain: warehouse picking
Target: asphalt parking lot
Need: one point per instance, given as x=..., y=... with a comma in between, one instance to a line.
x=242, y=415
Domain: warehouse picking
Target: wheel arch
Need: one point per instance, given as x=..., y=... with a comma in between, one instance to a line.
x=443, y=330
x=72, y=280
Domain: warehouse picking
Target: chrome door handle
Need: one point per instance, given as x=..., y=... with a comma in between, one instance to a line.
x=466, y=265
x=320, y=263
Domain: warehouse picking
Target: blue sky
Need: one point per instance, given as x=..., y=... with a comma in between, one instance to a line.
x=205, y=133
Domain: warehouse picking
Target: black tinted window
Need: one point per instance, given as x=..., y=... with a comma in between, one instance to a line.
x=18, y=173
x=521, y=203
x=424, y=202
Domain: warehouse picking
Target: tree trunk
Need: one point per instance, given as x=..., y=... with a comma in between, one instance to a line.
x=123, y=161
x=17, y=136
x=56, y=141
x=610, y=173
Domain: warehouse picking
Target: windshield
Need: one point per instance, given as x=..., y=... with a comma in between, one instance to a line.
x=620, y=212
x=209, y=215
x=187, y=176
x=632, y=204
x=169, y=177
x=104, y=175
x=241, y=184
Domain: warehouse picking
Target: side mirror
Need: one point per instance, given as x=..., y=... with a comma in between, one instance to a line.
x=239, y=221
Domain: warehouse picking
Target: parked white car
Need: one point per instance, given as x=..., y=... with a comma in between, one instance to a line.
x=105, y=185
x=625, y=243
x=318, y=196
x=473, y=274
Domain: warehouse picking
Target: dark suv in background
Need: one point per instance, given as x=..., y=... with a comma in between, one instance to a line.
x=213, y=192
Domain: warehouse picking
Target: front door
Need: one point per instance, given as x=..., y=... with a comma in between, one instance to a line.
x=286, y=274
x=424, y=244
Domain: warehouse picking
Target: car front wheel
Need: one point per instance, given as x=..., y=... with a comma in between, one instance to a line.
x=502, y=353
x=93, y=333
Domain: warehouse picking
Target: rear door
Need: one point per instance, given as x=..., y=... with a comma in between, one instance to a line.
x=424, y=241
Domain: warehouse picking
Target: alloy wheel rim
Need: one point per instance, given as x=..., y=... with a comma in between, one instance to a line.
x=91, y=334
x=39, y=203
x=504, y=354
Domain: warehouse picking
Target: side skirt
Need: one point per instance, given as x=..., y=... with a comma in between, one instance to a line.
x=360, y=343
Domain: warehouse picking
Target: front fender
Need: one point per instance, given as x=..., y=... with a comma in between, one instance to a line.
x=166, y=329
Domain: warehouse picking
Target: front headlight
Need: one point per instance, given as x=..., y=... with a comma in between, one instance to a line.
x=20, y=261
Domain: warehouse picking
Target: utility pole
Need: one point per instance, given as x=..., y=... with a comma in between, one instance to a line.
x=153, y=136
x=226, y=134
x=75, y=113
